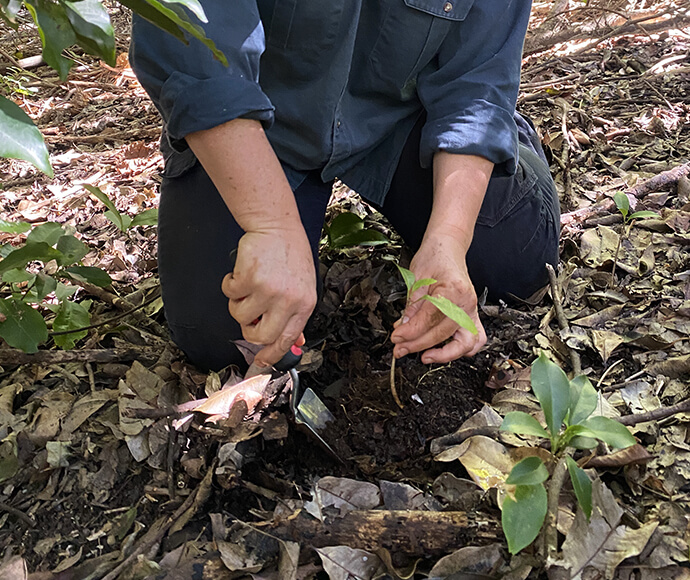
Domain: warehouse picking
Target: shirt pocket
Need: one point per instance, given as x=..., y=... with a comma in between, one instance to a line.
x=307, y=30
x=411, y=33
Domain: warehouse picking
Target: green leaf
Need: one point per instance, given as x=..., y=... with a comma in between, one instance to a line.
x=21, y=139
x=421, y=283
x=643, y=215
x=408, y=278
x=17, y=276
x=523, y=517
x=20, y=257
x=552, y=388
x=571, y=431
x=89, y=274
x=24, y=328
x=72, y=249
x=344, y=224
x=43, y=286
x=91, y=24
x=70, y=316
x=583, y=400
x=522, y=424
x=582, y=486
x=48, y=233
x=112, y=214
x=14, y=227
x=192, y=5
x=148, y=217
x=609, y=431
x=174, y=20
x=121, y=220
x=9, y=462
x=55, y=31
x=361, y=238
x=580, y=442
x=529, y=471
x=64, y=291
x=452, y=311
x=622, y=203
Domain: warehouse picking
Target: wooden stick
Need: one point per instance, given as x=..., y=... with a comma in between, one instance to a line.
x=10, y=356
x=562, y=320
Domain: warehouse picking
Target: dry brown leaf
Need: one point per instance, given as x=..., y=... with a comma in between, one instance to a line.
x=487, y=461
x=250, y=391
x=630, y=455
x=344, y=563
x=344, y=495
x=482, y=561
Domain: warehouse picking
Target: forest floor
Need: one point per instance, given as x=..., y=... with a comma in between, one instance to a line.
x=87, y=491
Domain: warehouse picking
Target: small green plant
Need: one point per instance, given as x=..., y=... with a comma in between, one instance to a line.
x=36, y=276
x=447, y=307
x=148, y=217
x=568, y=408
x=347, y=229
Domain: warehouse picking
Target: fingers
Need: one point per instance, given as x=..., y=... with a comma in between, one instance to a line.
x=272, y=353
x=463, y=343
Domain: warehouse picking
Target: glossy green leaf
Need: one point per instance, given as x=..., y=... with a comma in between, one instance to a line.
x=65, y=291
x=23, y=328
x=452, y=311
x=92, y=27
x=622, y=203
x=529, y=471
x=21, y=139
x=523, y=424
x=148, y=217
x=55, y=31
x=421, y=283
x=17, y=276
x=581, y=442
x=408, y=278
x=43, y=286
x=643, y=215
x=552, y=388
x=192, y=5
x=48, y=233
x=90, y=274
x=583, y=400
x=523, y=517
x=582, y=486
x=9, y=462
x=121, y=221
x=609, y=431
x=73, y=250
x=343, y=224
x=20, y=257
x=571, y=431
x=70, y=316
x=14, y=227
x=361, y=238
x=174, y=20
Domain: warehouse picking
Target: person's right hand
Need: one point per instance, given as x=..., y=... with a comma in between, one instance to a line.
x=274, y=281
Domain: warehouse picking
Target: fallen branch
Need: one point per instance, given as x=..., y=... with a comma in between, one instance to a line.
x=415, y=533
x=562, y=320
x=639, y=191
x=656, y=414
x=11, y=356
x=19, y=514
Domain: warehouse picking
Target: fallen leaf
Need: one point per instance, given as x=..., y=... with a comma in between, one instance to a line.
x=401, y=496
x=344, y=495
x=343, y=563
x=13, y=569
x=630, y=455
x=482, y=561
x=249, y=390
x=487, y=461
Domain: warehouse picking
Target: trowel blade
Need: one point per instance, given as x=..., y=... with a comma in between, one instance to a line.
x=313, y=412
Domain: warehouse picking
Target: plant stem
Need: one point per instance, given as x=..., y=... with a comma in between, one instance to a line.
x=394, y=392
x=550, y=533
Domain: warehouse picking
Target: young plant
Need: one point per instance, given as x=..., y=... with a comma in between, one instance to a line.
x=347, y=229
x=623, y=204
x=33, y=275
x=568, y=408
x=447, y=307
x=148, y=217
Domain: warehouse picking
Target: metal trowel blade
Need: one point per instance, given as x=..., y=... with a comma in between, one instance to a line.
x=313, y=412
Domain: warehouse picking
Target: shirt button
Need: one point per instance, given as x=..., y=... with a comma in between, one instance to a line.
x=447, y=7
x=337, y=124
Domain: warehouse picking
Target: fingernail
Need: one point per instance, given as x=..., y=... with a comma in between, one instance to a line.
x=406, y=319
x=427, y=360
x=402, y=352
x=395, y=339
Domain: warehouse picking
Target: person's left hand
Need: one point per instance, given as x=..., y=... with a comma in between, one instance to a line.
x=423, y=326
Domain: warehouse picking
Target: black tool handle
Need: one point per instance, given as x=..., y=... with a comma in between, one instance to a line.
x=292, y=357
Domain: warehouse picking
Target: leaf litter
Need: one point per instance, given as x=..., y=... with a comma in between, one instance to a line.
x=151, y=469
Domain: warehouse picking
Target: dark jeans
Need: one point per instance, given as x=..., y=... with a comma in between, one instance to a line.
x=516, y=234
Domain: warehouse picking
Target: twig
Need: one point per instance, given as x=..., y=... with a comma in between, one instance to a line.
x=638, y=191
x=28, y=520
x=441, y=443
x=562, y=320
x=394, y=392
x=655, y=414
x=150, y=539
x=9, y=356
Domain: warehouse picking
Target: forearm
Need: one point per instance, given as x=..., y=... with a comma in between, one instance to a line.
x=244, y=168
x=460, y=183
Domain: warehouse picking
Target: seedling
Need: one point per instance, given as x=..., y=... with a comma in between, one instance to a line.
x=447, y=307
x=148, y=217
x=568, y=408
x=623, y=204
x=347, y=229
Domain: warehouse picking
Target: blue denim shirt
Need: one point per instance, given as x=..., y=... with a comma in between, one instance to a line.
x=339, y=84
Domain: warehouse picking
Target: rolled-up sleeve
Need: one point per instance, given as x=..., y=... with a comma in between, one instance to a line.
x=470, y=91
x=192, y=90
